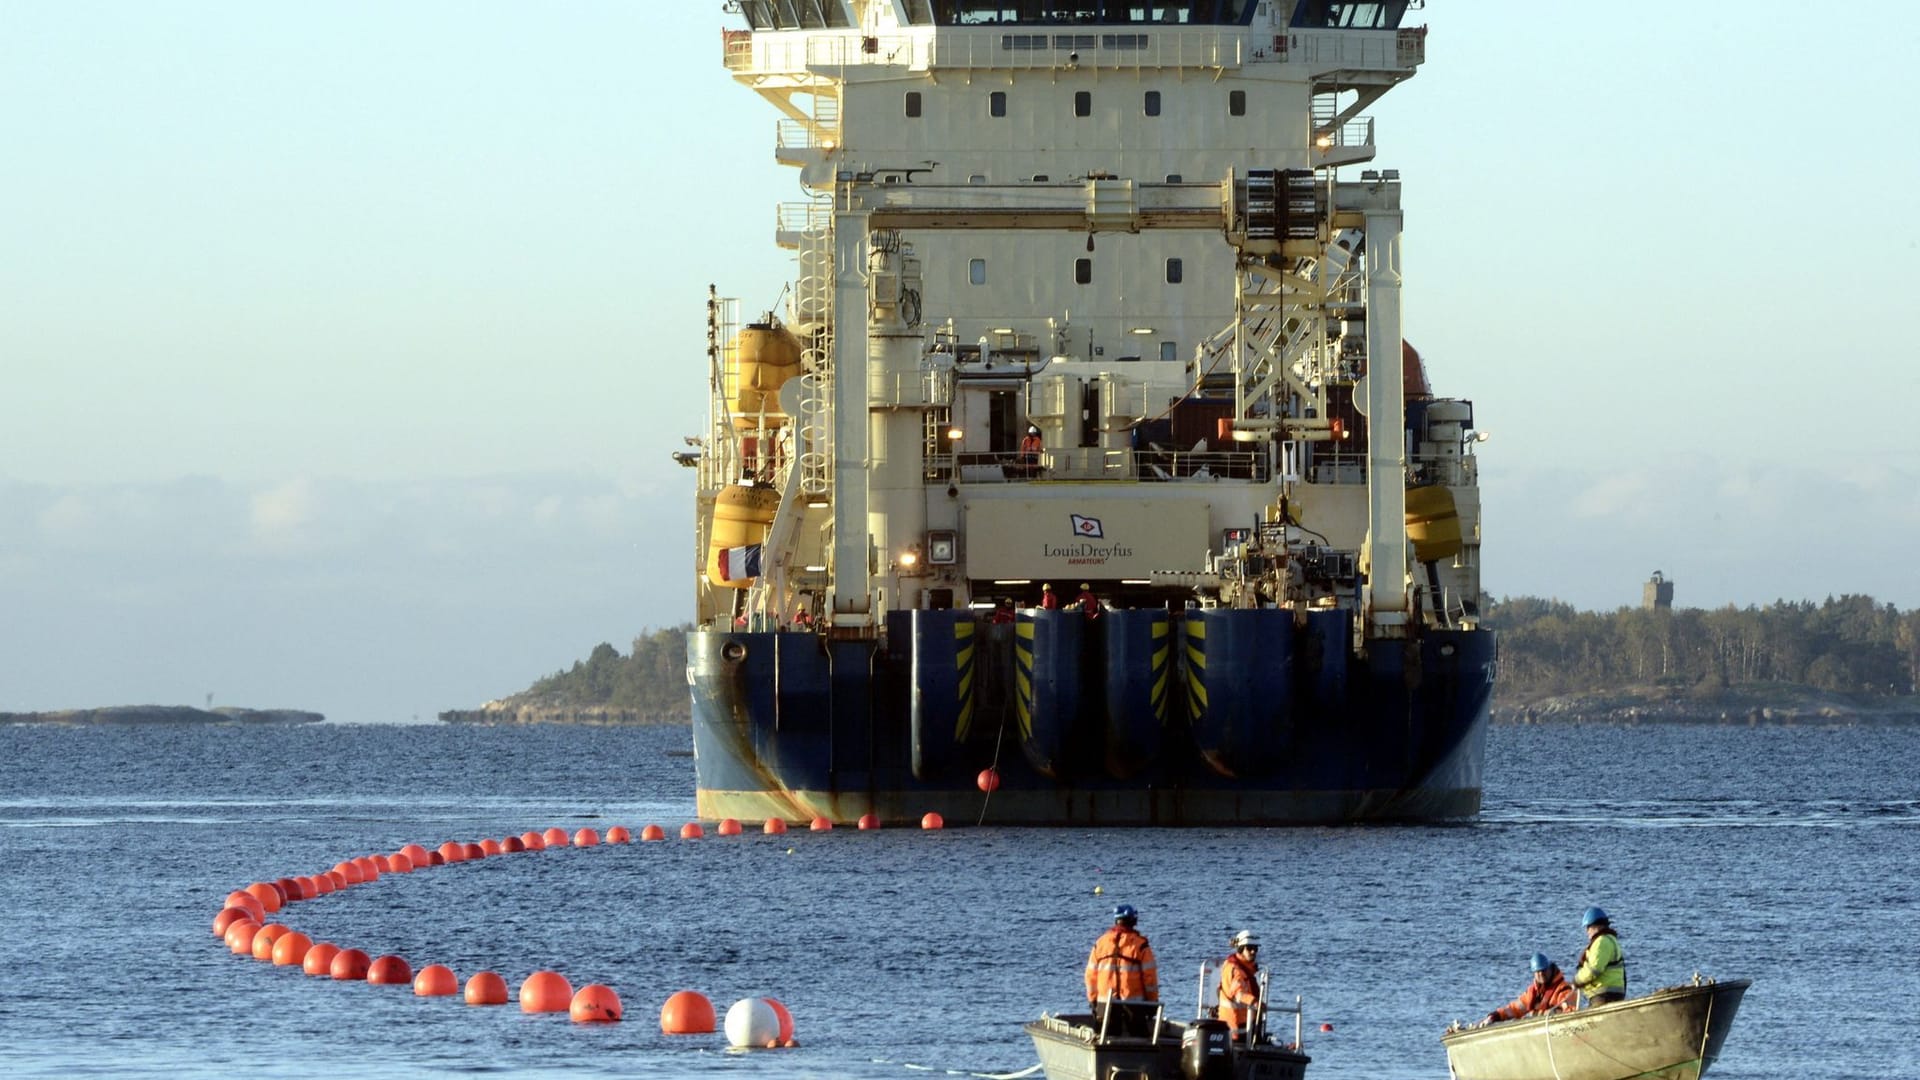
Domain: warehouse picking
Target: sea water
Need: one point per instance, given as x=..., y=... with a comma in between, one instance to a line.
x=1786, y=855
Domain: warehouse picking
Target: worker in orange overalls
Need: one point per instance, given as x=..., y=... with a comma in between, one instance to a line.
x=1549, y=992
x=1121, y=964
x=1240, y=983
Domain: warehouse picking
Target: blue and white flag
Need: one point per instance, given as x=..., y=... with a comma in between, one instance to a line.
x=1087, y=526
x=741, y=563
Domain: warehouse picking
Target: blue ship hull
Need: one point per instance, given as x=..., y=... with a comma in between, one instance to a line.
x=1135, y=718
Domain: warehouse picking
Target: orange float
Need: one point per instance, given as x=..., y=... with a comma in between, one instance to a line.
x=264, y=938
x=988, y=780
x=324, y=884
x=821, y=824
x=291, y=950
x=869, y=820
x=555, y=837
x=452, y=851
x=398, y=863
x=248, y=903
x=471, y=851
x=534, y=841
x=289, y=891
x=692, y=831
x=268, y=894
x=415, y=854
x=436, y=980
x=619, y=835
x=350, y=873
x=931, y=820
x=774, y=826
x=545, y=991
x=227, y=917
x=389, y=971
x=728, y=827
x=490, y=846
x=486, y=988
x=434, y=858
x=319, y=959
x=594, y=1003
x=586, y=838
x=369, y=870
x=512, y=844
x=339, y=879
x=309, y=887
x=687, y=1013
x=652, y=832
x=383, y=863
x=350, y=965
x=786, y=1020
x=239, y=936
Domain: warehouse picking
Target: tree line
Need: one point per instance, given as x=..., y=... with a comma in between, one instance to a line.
x=1848, y=644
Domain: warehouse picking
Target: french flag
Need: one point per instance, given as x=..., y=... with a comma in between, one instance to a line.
x=741, y=563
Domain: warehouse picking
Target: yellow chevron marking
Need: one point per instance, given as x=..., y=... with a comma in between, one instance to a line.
x=1023, y=630
x=1197, y=658
x=1196, y=629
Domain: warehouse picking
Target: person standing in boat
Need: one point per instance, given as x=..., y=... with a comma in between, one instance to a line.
x=1240, y=983
x=1602, y=973
x=1549, y=992
x=1121, y=964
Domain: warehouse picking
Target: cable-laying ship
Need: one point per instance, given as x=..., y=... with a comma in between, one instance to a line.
x=1092, y=302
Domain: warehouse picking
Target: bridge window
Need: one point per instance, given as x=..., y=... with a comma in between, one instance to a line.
x=1169, y=351
x=1176, y=271
x=1348, y=15
x=977, y=271
x=1152, y=104
x=1236, y=103
x=997, y=103
x=1083, y=271
x=1082, y=103
x=1090, y=13
x=913, y=104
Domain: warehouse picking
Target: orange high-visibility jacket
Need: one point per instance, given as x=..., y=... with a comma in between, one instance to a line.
x=1121, y=965
x=1239, y=989
x=1538, y=999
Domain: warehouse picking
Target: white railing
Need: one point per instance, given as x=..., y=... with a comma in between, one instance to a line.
x=1020, y=47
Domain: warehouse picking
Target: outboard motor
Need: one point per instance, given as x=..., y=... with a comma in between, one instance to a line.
x=1206, y=1051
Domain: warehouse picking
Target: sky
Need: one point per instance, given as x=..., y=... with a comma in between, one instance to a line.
x=342, y=348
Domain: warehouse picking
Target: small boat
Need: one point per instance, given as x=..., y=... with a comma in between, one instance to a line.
x=1671, y=1034
x=1134, y=1040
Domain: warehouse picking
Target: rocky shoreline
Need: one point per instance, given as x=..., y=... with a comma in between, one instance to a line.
x=510, y=712
x=1786, y=705
x=146, y=715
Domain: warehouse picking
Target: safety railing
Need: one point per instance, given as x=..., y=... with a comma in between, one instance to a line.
x=1093, y=463
x=1000, y=47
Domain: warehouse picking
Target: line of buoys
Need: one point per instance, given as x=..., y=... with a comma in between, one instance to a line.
x=687, y=1012
x=545, y=991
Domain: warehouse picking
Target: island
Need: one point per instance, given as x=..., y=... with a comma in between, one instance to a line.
x=148, y=715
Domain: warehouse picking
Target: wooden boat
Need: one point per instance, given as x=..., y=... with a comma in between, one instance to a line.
x=1134, y=1040
x=1670, y=1034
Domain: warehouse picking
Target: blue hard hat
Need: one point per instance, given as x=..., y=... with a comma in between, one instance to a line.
x=1541, y=963
x=1125, y=911
x=1593, y=915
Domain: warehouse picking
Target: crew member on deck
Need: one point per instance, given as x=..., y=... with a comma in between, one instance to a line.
x=1240, y=983
x=1121, y=964
x=1089, y=603
x=1547, y=993
x=1030, y=446
x=1003, y=612
x=1049, y=600
x=1602, y=974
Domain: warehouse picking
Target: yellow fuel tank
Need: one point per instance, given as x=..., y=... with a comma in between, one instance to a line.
x=741, y=516
x=760, y=359
x=1433, y=523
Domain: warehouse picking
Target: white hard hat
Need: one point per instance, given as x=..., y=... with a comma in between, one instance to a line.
x=1245, y=938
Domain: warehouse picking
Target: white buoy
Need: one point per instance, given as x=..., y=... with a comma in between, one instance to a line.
x=751, y=1022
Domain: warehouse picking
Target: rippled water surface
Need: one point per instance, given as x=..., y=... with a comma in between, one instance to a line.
x=1784, y=855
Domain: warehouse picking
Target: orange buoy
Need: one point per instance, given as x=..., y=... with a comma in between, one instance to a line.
x=452, y=851
x=289, y=891
x=349, y=965
x=687, y=1013
x=594, y=1003
x=398, y=863
x=490, y=846
x=619, y=835
x=786, y=1020
x=415, y=854
x=821, y=824
x=268, y=895
x=486, y=988
x=227, y=917
x=239, y=936
x=774, y=826
x=533, y=840
x=339, y=879
x=692, y=831
x=869, y=820
x=652, y=832
x=264, y=938
x=586, y=838
x=350, y=872
x=291, y=950
x=931, y=820
x=248, y=903
x=512, y=844
x=323, y=884
x=728, y=827
x=471, y=851
x=389, y=971
x=369, y=871
x=309, y=887
x=1326, y=1027
x=436, y=980
x=988, y=780
x=382, y=863
x=319, y=959
x=545, y=991
x=555, y=837
x=434, y=858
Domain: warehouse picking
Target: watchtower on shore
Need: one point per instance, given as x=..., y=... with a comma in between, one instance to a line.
x=1658, y=593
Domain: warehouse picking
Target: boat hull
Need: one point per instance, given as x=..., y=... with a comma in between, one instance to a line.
x=1672, y=1034
x=1088, y=724
x=1070, y=1048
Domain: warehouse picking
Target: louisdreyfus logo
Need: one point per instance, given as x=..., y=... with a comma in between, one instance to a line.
x=1082, y=553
